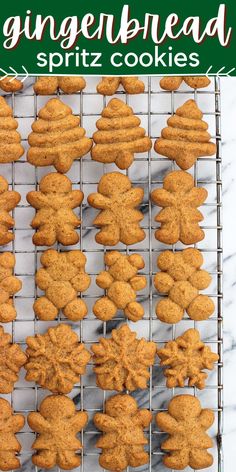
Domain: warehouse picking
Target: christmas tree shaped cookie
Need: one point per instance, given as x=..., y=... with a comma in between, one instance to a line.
x=119, y=135
x=186, y=138
x=10, y=140
x=57, y=138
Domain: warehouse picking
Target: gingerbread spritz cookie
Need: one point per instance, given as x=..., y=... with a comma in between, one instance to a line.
x=57, y=424
x=179, y=217
x=186, y=424
x=8, y=201
x=62, y=277
x=121, y=282
x=10, y=140
x=187, y=357
x=119, y=135
x=123, y=439
x=173, y=83
x=55, y=220
x=181, y=278
x=122, y=361
x=118, y=219
x=57, y=138
x=109, y=85
x=9, y=445
x=8, y=84
x=50, y=85
x=186, y=137
x=56, y=359
x=9, y=286
x=12, y=358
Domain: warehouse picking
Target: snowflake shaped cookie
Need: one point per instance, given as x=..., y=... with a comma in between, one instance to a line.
x=122, y=361
x=56, y=359
x=12, y=358
x=186, y=358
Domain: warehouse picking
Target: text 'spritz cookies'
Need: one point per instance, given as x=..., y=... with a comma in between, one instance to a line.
x=62, y=277
x=118, y=219
x=9, y=286
x=187, y=357
x=123, y=439
x=8, y=201
x=55, y=220
x=109, y=85
x=121, y=282
x=186, y=137
x=12, y=358
x=181, y=278
x=56, y=359
x=50, y=85
x=9, y=85
x=122, y=362
x=180, y=216
x=57, y=424
x=186, y=424
x=173, y=83
x=119, y=135
x=9, y=445
x=57, y=138
x=10, y=140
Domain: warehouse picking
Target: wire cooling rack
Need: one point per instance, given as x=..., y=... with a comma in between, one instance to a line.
x=153, y=107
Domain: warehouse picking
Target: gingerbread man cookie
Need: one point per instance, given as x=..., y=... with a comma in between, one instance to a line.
x=57, y=424
x=118, y=219
x=55, y=219
x=123, y=439
x=186, y=424
x=179, y=217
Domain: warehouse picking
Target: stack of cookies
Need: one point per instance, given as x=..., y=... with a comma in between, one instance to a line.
x=57, y=359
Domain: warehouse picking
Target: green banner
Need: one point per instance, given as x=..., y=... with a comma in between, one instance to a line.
x=118, y=38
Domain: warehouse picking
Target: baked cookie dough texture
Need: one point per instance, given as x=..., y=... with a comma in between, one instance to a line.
x=50, y=85
x=57, y=138
x=186, y=138
x=56, y=359
x=55, y=220
x=10, y=140
x=123, y=439
x=122, y=362
x=110, y=85
x=186, y=424
x=62, y=276
x=57, y=424
x=186, y=357
x=119, y=136
x=121, y=282
x=179, y=217
x=173, y=83
x=181, y=278
x=118, y=218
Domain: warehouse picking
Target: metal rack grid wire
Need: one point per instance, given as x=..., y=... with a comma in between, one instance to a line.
x=150, y=249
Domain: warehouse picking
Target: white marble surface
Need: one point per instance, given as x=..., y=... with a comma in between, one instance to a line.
x=229, y=219
x=92, y=329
